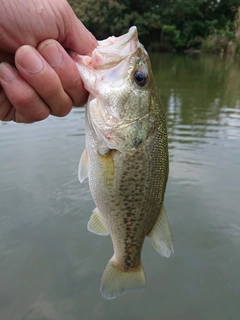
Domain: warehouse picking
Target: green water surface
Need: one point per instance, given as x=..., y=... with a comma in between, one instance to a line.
x=51, y=266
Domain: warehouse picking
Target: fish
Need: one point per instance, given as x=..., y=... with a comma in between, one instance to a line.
x=125, y=157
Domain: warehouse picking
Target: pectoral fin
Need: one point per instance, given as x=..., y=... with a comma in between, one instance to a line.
x=96, y=224
x=160, y=235
x=83, y=166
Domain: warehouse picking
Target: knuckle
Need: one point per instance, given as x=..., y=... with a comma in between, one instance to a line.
x=5, y=107
x=49, y=91
x=24, y=98
x=74, y=82
x=62, y=109
x=30, y=108
x=75, y=89
x=80, y=99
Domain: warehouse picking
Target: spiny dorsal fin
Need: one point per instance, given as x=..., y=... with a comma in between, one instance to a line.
x=115, y=281
x=83, y=166
x=160, y=235
x=96, y=224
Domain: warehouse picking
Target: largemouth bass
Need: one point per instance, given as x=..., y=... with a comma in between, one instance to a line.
x=126, y=157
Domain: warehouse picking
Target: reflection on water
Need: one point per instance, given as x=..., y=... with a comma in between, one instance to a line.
x=50, y=265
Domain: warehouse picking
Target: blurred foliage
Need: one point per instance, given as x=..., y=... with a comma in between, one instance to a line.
x=212, y=25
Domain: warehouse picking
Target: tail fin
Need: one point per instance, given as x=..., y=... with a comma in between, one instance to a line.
x=116, y=281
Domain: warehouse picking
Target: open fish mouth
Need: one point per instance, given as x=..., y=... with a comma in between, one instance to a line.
x=115, y=49
x=110, y=52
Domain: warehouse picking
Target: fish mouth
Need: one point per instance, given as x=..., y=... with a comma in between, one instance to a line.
x=110, y=51
x=119, y=41
x=115, y=49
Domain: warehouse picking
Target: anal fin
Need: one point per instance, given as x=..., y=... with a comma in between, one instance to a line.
x=96, y=224
x=160, y=235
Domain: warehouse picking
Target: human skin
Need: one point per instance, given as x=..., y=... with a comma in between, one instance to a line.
x=37, y=76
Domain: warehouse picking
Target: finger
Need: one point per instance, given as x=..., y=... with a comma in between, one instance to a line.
x=6, y=57
x=19, y=101
x=44, y=80
x=6, y=107
x=66, y=69
x=79, y=39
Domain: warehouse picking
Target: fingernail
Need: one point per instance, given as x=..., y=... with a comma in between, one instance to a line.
x=53, y=55
x=7, y=73
x=30, y=60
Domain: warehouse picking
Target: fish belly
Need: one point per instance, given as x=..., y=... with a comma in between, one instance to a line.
x=128, y=191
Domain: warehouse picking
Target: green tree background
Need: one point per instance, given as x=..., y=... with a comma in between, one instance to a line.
x=210, y=25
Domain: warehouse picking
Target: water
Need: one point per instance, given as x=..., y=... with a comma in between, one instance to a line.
x=50, y=265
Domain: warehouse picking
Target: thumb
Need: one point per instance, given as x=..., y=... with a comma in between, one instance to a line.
x=79, y=38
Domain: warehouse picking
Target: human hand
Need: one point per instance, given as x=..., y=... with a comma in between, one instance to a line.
x=44, y=80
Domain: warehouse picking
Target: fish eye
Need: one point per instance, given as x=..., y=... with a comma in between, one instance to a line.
x=140, y=78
